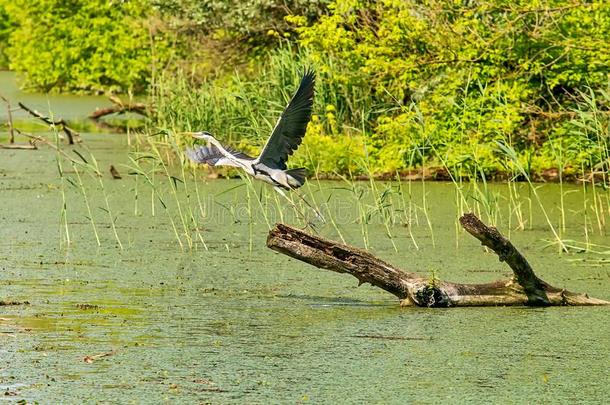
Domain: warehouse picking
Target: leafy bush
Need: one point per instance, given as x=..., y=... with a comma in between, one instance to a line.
x=241, y=111
x=235, y=107
x=401, y=83
x=446, y=80
x=83, y=45
x=432, y=83
x=216, y=37
x=5, y=30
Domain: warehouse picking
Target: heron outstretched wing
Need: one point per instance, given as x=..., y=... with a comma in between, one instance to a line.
x=290, y=128
x=212, y=156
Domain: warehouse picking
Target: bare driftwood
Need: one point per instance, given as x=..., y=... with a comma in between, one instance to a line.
x=26, y=146
x=120, y=107
x=71, y=134
x=524, y=288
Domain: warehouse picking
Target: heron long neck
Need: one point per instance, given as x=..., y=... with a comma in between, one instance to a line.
x=224, y=152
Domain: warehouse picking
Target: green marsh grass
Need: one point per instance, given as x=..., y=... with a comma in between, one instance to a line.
x=149, y=175
x=510, y=153
x=241, y=109
x=80, y=167
x=63, y=217
x=108, y=209
x=407, y=209
x=82, y=189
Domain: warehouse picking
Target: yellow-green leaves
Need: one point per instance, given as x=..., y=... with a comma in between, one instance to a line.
x=475, y=72
x=84, y=45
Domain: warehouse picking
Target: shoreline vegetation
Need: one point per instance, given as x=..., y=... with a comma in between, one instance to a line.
x=435, y=91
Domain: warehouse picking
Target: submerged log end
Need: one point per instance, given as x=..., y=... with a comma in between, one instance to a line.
x=569, y=298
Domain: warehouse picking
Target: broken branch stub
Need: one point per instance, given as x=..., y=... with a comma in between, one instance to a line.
x=523, y=273
x=9, y=112
x=525, y=288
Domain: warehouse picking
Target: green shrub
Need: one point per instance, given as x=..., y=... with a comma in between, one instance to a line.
x=253, y=21
x=83, y=45
x=401, y=83
x=445, y=81
x=6, y=27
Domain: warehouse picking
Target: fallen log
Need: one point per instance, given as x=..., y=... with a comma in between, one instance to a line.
x=118, y=108
x=137, y=108
x=524, y=288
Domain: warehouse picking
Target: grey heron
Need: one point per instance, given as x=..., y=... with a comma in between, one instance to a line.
x=270, y=165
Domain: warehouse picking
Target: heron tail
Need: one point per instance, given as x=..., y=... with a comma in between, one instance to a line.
x=298, y=175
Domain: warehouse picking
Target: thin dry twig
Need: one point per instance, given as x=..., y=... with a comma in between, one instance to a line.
x=36, y=138
x=70, y=133
x=27, y=146
x=11, y=131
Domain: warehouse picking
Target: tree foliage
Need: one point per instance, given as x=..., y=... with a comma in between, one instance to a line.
x=458, y=77
x=414, y=82
x=83, y=45
x=251, y=21
x=216, y=37
x=6, y=27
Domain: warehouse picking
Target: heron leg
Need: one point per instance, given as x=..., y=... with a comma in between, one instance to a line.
x=314, y=209
x=308, y=224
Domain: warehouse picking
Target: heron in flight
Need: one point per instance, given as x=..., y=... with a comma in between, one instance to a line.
x=270, y=165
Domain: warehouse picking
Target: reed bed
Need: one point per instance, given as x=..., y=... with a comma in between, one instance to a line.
x=401, y=206
x=392, y=204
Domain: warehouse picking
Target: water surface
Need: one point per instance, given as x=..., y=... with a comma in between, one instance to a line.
x=238, y=323
x=67, y=106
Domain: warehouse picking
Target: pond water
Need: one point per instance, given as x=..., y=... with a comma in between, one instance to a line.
x=238, y=323
x=65, y=106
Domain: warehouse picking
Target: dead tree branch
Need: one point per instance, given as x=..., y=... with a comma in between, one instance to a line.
x=523, y=272
x=118, y=108
x=71, y=134
x=34, y=139
x=524, y=288
x=27, y=146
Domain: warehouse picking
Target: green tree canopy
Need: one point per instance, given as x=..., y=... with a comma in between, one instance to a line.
x=5, y=29
x=247, y=20
x=83, y=45
x=457, y=76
